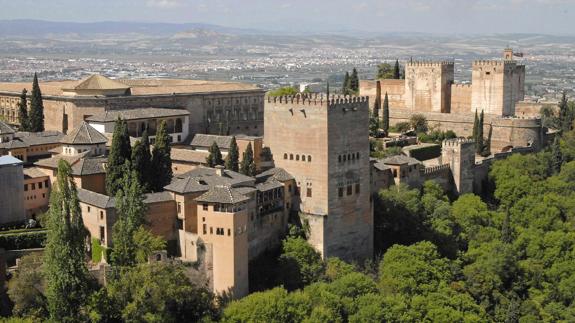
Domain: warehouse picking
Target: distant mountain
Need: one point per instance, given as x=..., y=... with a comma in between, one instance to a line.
x=41, y=28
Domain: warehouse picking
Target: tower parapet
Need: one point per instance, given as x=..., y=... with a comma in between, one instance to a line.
x=459, y=154
x=321, y=100
x=430, y=63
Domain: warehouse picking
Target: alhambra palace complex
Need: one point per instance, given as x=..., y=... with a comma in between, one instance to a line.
x=312, y=155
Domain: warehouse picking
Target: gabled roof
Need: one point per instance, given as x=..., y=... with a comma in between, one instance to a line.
x=209, y=175
x=188, y=155
x=89, y=166
x=39, y=138
x=5, y=129
x=99, y=82
x=9, y=160
x=96, y=199
x=188, y=185
x=400, y=160
x=202, y=140
x=85, y=134
x=277, y=173
x=222, y=194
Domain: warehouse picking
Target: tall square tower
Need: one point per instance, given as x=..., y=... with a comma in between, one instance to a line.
x=428, y=86
x=324, y=144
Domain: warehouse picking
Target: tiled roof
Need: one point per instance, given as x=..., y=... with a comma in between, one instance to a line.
x=13, y=144
x=99, y=200
x=89, y=166
x=400, y=160
x=38, y=138
x=189, y=155
x=33, y=172
x=279, y=174
x=135, y=114
x=209, y=175
x=270, y=184
x=85, y=134
x=188, y=185
x=158, y=197
x=99, y=82
x=53, y=162
x=202, y=140
x=5, y=129
x=222, y=194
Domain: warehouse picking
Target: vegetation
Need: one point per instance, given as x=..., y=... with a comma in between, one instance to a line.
x=142, y=162
x=248, y=165
x=214, y=157
x=351, y=83
x=36, y=121
x=120, y=152
x=22, y=240
x=161, y=159
x=436, y=136
x=386, y=71
x=426, y=152
x=385, y=115
x=283, y=91
x=418, y=122
x=66, y=271
x=233, y=157
x=23, y=117
x=26, y=289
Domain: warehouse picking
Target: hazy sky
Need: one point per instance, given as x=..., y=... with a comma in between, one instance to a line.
x=442, y=16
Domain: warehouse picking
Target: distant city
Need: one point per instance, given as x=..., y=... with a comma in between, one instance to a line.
x=272, y=61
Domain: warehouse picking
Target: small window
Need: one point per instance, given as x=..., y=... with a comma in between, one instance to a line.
x=357, y=188
x=349, y=190
x=211, y=230
x=33, y=186
x=290, y=156
x=180, y=224
x=89, y=209
x=297, y=157
x=395, y=173
x=39, y=185
x=339, y=158
x=205, y=228
x=356, y=155
x=308, y=193
x=229, y=232
x=101, y=215
x=285, y=156
x=205, y=207
x=309, y=159
x=340, y=192
x=25, y=187
x=179, y=207
x=487, y=73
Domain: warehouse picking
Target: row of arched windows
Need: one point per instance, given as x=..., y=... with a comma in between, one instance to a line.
x=297, y=157
x=349, y=157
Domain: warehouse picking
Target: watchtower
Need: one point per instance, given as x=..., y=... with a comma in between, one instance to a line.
x=323, y=142
x=428, y=86
x=459, y=154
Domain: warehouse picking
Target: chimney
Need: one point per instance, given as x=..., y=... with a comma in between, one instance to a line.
x=219, y=170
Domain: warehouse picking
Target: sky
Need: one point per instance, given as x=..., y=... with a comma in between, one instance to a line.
x=435, y=16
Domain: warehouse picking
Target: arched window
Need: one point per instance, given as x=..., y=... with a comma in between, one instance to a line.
x=348, y=157
x=296, y=157
x=339, y=158
x=356, y=155
x=344, y=158
x=309, y=158
x=179, y=125
x=290, y=156
x=285, y=156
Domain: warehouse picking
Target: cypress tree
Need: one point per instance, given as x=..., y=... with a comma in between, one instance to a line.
x=120, y=152
x=215, y=156
x=377, y=103
x=396, y=71
x=354, y=82
x=23, y=118
x=36, y=107
x=564, y=113
x=141, y=162
x=556, y=156
x=147, y=170
x=65, y=253
x=346, y=84
x=385, y=119
x=233, y=157
x=475, y=126
x=506, y=230
x=487, y=150
x=479, y=141
x=130, y=210
x=247, y=166
x=161, y=159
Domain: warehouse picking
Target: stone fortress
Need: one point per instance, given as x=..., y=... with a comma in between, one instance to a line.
x=497, y=89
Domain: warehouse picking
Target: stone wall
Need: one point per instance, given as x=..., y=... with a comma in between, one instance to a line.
x=461, y=98
x=427, y=86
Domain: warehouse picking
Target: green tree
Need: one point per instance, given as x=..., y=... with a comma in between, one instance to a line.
x=157, y=292
x=23, y=118
x=248, y=166
x=479, y=139
x=300, y=263
x=346, y=87
x=161, y=159
x=146, y=243
x=26, y=289
x=214, y=157
x=284, y=91
x=385, y=116
x=487, y=150
x=354, y=82
x=142, y=161
x=564, y=114
x=419, y=123
x=373, y=124
x=556, y=156
x=36, y=107
x=130, y=211
x=475, y=126
x=233, y=157
x=65, y=253
x=385, y=71
x=120, y=152
x=396, y=70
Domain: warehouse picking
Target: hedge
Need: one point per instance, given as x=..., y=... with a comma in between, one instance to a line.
x=97, y=249
x=425, y=153
x=28, y=240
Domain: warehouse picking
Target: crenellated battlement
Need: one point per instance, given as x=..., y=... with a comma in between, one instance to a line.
x=429, y=63
x=317, y=100
x=493, y=62
x=435, y=169
x=461, y=85
x=457, y=142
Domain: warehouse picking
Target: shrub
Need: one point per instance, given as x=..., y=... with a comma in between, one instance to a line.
x=27, y=240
